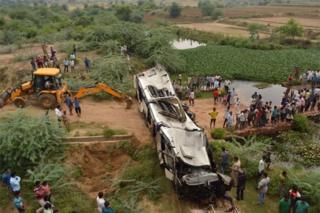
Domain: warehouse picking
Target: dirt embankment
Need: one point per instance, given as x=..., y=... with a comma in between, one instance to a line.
x=96, y=166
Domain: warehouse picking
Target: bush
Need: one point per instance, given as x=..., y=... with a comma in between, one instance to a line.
x=218, y=133
x=108, y=133
x=300, y=123
x=25, y=140
x=114, y=71
x=209, y=8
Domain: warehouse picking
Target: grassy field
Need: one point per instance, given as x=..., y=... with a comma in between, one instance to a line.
x=240, y=63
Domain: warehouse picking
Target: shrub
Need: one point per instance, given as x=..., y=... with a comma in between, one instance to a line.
x=114, y=71
x=300, y=123
x=218, y=133
x=25, y=140
x=108, y=133
x=209, y=8
x=123, y=12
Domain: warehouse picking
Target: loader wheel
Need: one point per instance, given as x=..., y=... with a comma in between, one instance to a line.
x=19, y=102
x=1, y=102
x=47, y=101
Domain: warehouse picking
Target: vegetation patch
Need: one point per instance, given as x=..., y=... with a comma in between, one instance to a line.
x=246, y=64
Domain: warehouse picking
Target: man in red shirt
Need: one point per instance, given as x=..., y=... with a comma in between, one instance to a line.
x=215, y=95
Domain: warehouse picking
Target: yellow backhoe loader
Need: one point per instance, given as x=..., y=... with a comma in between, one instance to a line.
x=46, y=89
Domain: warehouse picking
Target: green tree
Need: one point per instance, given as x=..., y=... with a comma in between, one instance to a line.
x=209, y=8
x=291, y=29
x=254, y=29
x=114, y=70
x=123, y=12
x=25, y=140
x=174, y=10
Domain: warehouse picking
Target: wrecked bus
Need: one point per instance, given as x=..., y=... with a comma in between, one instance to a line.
x=182, y=146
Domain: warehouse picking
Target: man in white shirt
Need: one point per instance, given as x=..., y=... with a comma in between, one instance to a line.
x=262, y=165
x=100, y=201
x=58, y=113
x=263, y=187
x=15, y=183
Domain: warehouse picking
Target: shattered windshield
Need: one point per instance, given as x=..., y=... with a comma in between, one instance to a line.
x=172, y=108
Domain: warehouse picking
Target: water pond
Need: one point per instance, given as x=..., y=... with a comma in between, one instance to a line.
x=183, y=44
x=245, y=89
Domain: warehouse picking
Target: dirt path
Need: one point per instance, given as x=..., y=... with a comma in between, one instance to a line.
x=115, y=116
x=202, y=108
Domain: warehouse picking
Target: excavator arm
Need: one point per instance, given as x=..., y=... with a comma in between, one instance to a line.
x=101, y=87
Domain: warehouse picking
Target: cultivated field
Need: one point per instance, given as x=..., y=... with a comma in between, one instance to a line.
x=226, y=29
x=307, y=23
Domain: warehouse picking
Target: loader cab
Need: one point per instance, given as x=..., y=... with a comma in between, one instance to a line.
x=46, y=79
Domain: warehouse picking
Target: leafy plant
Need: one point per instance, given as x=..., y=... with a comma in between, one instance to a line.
x=247, y=64
x=300, y=123
x=25, y=140
x=218, y=133
x=291, y=29
x=108, y=133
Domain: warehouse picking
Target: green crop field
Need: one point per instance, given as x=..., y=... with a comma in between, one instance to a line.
x=247, y=64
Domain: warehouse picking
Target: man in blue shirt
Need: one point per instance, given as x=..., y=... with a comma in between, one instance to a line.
x=107, y=208
x=6, y=177
x=224, y=160
x=302, y=206
x=18, y=203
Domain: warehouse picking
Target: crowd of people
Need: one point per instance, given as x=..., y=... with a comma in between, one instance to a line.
x=310, y=76
x=291, y=200
x=42, y=193
x=260, y=112
x=69, y=63
x=70, y=104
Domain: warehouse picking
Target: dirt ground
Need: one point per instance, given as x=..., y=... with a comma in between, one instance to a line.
x=226, y=29
x=269, y=11
x=96, y=166
x=307, y=23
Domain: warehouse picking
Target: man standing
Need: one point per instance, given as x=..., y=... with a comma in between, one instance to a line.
x=236, y=166
x=77, y=107
x=230, y=120
x=284, y=204
x=224, y=160
x=241, y=184
x=58, y=113
x=263, y=187
x=261, y=167
x=302, y=206
x=33, y=64
x=215, y=95
x=69, y=103
x=100, y=201
x=18, y=203
x=191, y=98
x=226, y=113
x=39, y=194
x=282, y=183
x=87, y=64
x=15, y=183
x=6, y=178
x=66, y=65
x=213, y=116
x=107, y=208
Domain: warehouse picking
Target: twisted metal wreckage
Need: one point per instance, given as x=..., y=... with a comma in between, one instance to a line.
x=182, y=146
